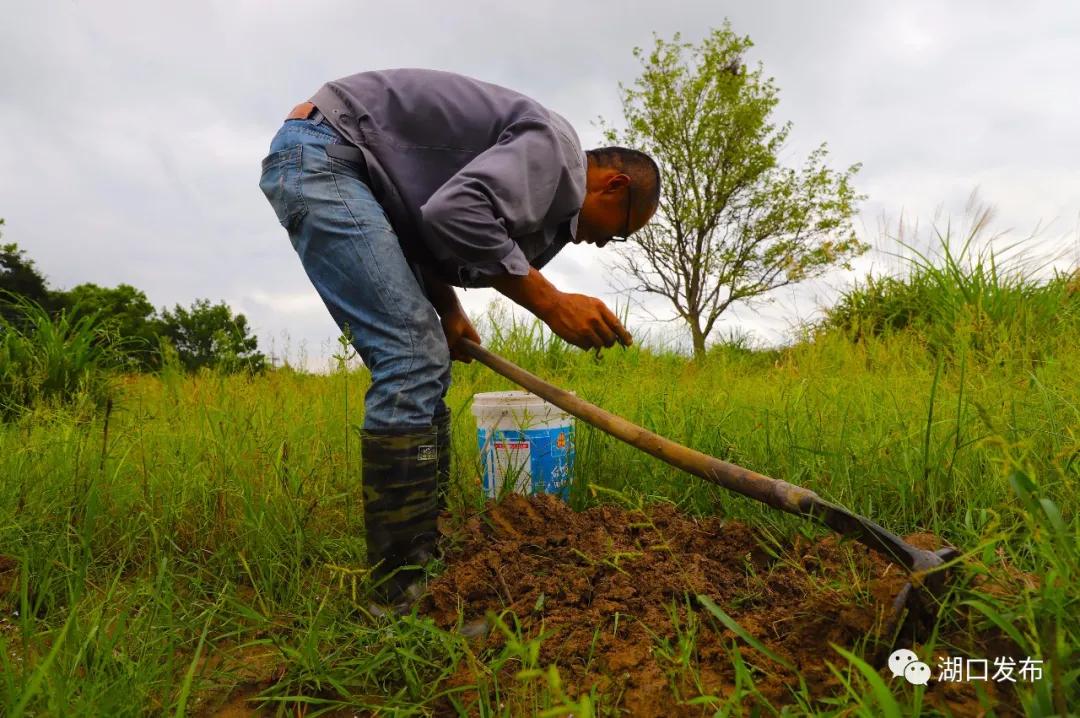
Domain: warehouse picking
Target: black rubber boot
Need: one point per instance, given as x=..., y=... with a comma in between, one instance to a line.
x=400, y=509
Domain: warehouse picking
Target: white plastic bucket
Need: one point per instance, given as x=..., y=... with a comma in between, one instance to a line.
x=526, y=444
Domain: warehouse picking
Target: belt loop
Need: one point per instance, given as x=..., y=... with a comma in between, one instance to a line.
x=317, y=117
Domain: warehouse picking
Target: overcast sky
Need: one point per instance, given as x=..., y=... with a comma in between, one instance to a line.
x=132, y=133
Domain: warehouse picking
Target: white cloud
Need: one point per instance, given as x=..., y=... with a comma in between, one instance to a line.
x=290, y=303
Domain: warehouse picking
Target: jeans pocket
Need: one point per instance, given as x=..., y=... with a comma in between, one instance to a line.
x=280, y=182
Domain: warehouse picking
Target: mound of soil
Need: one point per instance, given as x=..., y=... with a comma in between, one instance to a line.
x=611, y=590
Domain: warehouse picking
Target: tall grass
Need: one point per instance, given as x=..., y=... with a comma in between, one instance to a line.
x=966, y=290
x=206, y=538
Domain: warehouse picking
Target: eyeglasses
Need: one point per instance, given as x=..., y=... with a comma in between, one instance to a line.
x=625, y=234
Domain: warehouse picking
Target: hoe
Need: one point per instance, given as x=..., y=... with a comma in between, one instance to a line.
x=914, y=608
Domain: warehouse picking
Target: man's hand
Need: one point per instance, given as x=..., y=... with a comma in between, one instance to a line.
x=586, y=322
x=456, y=326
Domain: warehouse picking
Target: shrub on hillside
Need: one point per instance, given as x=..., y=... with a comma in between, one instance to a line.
x=127, y=317
x=202, y=335
x=51, y=358
x=981, y=314
x=964, y=297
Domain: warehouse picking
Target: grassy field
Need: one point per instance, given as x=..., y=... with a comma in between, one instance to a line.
x=202, y=533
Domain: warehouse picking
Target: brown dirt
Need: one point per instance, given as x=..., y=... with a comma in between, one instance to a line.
x=252, y=668
x=604, y=586
x=9, y=572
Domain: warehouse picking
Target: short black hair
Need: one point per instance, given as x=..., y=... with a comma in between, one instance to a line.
x=642, y=170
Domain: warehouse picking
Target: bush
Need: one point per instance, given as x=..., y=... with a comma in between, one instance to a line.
x=47, y=358
x=965, y=297
x=125, y=314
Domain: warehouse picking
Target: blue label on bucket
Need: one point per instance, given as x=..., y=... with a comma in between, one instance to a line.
x=533, y=461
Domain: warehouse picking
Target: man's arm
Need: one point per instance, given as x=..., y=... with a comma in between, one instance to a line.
x=441, y=295
x=455, y=323
x=579, y=319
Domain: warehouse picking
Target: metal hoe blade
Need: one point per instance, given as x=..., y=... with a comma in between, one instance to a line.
x=916, y=606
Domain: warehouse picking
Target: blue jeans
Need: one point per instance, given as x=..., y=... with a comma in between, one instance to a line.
x=354, y=260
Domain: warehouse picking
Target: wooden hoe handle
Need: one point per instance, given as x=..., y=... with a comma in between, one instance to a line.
x=774, y=492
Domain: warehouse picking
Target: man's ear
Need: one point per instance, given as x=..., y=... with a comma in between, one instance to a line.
x=616, y=182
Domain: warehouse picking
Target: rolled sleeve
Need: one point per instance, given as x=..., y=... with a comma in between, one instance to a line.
x=505, y=191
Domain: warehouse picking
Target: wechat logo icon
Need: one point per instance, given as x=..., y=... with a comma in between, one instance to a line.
x=905, y=663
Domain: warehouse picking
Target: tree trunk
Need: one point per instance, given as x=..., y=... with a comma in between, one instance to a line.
x=698, y=337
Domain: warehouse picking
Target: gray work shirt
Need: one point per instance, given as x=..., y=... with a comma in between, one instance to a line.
x=477, y=180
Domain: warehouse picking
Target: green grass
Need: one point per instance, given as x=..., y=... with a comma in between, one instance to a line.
x=44, y=361
x=206, y=532
x=966, y=294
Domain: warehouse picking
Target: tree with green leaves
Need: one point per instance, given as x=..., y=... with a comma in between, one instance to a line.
x=209, y=335
x=19, y=276
x=733, y=224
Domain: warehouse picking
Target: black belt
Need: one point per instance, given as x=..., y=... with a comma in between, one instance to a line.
x=350, y=153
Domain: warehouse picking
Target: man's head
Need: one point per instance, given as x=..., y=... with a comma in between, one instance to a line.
x=622, y=191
